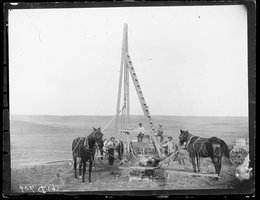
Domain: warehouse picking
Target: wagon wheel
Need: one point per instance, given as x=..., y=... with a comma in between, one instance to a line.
x=237, y=156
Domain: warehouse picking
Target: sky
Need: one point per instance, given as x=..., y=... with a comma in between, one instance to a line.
x=190, y=60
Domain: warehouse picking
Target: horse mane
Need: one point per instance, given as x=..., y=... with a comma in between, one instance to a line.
x=188, y=136
x=186, y=133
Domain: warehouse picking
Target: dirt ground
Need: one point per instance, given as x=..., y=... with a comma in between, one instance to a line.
x=59, y=177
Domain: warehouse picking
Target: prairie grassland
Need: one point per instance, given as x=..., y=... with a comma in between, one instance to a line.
x=36, y=139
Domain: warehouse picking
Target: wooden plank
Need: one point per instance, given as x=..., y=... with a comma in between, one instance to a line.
x=54, y=161
x=94, y=166
x=178, y=171
x=184, y=172
x=142, y=168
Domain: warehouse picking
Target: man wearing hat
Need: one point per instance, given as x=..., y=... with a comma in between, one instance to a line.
x=140, y=134
x=170, y=145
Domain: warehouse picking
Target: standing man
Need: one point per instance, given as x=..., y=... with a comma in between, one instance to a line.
x=111, y=150
x=160, y=132
x=170, y=145
x=140, y=134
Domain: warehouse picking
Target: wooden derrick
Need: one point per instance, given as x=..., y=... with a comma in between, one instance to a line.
x=126, y=68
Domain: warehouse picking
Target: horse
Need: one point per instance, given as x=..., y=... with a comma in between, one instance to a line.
x=84, y=148
x=204, y=147
x=118, y=146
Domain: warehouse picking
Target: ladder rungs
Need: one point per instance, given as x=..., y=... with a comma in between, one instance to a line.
x=141, y=96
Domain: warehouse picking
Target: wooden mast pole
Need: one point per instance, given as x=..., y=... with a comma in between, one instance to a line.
x=127, y=82
x=126, y=92
x=120, y=79
x=126, y=67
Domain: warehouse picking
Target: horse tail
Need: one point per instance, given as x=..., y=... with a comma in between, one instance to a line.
x=224, y=148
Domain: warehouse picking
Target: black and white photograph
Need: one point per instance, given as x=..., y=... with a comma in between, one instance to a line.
x=129, y=99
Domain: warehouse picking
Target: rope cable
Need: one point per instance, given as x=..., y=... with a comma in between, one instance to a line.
x=111, y=120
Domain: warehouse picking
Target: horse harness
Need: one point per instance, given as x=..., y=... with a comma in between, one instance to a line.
x=193, y=146
x=186, y=146
x=85, y=145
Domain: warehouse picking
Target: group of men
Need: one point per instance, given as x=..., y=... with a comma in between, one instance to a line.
x=169, y=144
x=141, y=131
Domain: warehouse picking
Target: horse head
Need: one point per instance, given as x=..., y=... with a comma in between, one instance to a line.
x=183, y=137
x=97, y=133
x=98, y=136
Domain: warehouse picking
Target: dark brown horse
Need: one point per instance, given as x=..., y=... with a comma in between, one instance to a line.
x=84, y=148
x=204, y=147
